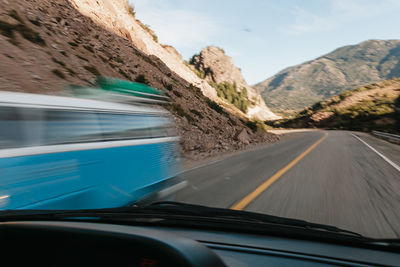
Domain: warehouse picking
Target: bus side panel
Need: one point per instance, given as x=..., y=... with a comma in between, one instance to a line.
x=34, y=180
x=133, y=171
x=99, y=178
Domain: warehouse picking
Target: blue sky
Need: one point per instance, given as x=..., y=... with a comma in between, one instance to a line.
x=266, y=36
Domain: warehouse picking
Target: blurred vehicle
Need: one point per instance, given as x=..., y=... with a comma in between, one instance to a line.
x=70, y=153
x=120, y=91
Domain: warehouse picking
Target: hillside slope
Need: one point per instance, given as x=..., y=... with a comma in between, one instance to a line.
x=47, y=45
x=213, y=65
x=115, y=15
x=347, y=67
x=119, y=17
x=371, y=107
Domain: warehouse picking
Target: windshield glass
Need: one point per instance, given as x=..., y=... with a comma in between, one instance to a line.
x=285, y=108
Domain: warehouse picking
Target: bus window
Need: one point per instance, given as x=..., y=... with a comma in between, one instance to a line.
x=123, y=126
x=33, y=125
x=65, y=126
x=160, y=126
x=11, y=129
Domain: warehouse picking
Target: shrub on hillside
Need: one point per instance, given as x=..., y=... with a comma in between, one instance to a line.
x=344, y=94
x=252, y=125
x=215, y=106
x=177, y=108
x=131, y=10
x=141, y=79
x=229, y=92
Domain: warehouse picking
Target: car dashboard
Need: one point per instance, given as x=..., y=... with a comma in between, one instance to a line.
x=78, y=243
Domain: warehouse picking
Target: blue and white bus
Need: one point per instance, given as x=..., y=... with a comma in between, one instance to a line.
x=70, y=153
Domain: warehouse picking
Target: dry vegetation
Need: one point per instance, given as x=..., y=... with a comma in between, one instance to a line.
x=374, y=106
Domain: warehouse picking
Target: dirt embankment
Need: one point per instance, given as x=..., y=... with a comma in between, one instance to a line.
x=46, y=45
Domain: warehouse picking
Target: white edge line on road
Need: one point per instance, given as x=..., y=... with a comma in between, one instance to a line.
x=394, y=165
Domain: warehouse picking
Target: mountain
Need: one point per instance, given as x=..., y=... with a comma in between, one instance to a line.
x=213, y=65
x=374, y=106
x=48, y=45
x=119, y=17
x=347, y=67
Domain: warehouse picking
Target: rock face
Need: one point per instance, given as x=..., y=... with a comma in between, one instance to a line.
x=243, y=137
x=217, y=67
x=47, y=45
x=345, y=68
x=115, y=16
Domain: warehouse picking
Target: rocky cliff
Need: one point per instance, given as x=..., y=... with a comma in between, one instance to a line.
x=47, y=45
x=216, y=67
x=345, y=68
x=116, y=17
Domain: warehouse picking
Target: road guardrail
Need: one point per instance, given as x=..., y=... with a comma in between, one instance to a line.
x=390, y=137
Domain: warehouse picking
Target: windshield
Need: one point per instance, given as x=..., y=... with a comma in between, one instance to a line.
x=282, y=108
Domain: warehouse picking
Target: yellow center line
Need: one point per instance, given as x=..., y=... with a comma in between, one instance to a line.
x=250, y=197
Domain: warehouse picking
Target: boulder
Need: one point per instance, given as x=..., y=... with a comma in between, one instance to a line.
x=243, y=136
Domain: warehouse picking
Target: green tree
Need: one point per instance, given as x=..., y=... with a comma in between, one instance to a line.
x=243, y=106
x=243, y=93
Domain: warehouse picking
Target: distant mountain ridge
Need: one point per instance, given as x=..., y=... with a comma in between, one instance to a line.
x=347, y=67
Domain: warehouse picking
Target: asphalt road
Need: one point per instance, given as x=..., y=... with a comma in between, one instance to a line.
x=328, y=177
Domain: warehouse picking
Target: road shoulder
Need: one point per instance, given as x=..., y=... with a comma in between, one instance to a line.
x=282, y=134
x=390, y=150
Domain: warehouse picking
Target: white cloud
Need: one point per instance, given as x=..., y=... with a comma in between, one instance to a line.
x=175, y=26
